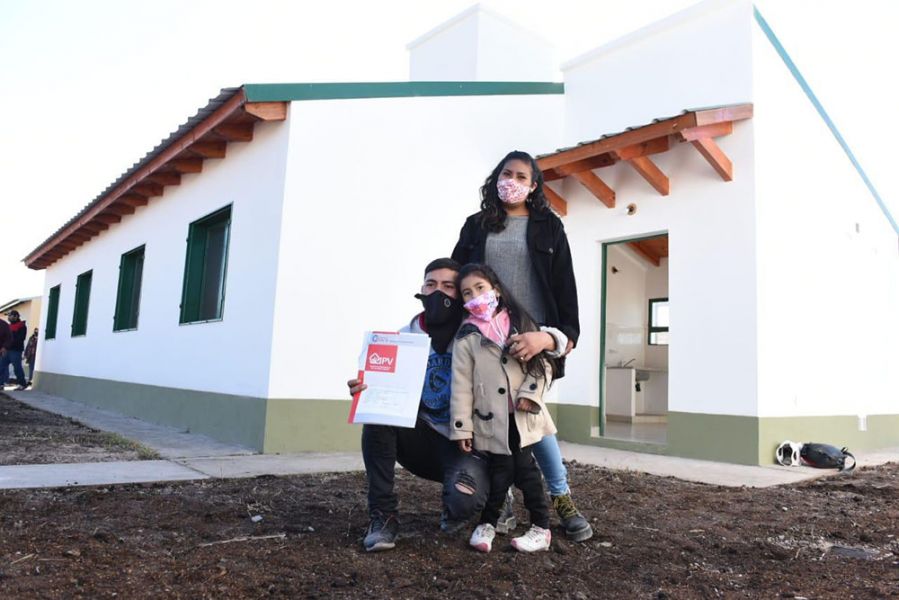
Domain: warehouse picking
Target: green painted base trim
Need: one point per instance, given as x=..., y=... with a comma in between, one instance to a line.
x=732, y=438
x=882, y=432
x=723, y=438
x=228, y=418
x=310, y=426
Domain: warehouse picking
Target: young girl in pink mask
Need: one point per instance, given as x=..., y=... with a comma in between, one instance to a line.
x=497, y=404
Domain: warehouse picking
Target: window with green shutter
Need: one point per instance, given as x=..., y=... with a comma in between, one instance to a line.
x=52, y=313
x=127, y=302
x=203, y=294
x=82, y=300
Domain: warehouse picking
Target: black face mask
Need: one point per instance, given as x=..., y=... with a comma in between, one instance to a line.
x=443, y=315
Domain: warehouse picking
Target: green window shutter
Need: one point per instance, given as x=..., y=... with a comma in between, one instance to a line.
x=205, y=266
x=82, y=301
x=131, y=268
x=52, y=313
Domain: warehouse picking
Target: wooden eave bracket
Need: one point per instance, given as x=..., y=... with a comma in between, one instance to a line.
x=701, y=138
x=597, y=187
x=267, y=111
x=556, y=201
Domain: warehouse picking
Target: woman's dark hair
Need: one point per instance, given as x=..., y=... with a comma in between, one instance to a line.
x=493, y=212
x=521, y=321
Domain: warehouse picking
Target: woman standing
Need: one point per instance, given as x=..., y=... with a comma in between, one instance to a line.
x=517, y=235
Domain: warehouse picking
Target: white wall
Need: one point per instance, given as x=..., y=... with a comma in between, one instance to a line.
x=828, y=264
x=480, y=45
x=698, y=60
x=230, y=356
x=377, y=188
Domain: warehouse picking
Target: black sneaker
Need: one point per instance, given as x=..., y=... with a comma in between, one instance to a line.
x=507, y=521
x=577, y=528
x=381, y=534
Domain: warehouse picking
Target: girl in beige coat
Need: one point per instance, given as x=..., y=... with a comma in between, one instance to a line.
x=497, y=404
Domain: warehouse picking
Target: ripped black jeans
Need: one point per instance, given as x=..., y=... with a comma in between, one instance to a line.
x=427, y=454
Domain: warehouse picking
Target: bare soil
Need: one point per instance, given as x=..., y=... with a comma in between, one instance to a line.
x=30, y=436
x=655, y=538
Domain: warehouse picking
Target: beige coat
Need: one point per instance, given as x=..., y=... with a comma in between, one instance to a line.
x=482, y=382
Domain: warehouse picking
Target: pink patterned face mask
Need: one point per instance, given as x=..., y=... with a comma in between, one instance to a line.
x=484, y=306
x=512, y=192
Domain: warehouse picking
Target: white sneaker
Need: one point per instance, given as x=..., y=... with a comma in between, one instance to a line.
x=534, y=540
x=482, y=537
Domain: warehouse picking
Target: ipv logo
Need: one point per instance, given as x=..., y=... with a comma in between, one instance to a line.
x=381, y=358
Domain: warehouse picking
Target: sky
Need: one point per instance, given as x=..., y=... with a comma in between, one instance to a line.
x=87, y=88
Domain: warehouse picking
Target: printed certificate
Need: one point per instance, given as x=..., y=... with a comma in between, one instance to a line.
x=392, y=365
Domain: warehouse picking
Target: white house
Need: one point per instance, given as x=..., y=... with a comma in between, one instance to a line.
x=222, y=283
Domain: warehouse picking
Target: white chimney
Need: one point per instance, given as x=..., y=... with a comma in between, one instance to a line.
x=481, y=45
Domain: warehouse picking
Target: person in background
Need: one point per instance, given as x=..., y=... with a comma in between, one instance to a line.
x=31, y=354
x=14, y=348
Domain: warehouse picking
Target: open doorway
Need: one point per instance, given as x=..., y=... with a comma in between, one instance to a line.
x=634, y=336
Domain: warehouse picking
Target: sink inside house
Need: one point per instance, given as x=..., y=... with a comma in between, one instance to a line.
x=641, y=375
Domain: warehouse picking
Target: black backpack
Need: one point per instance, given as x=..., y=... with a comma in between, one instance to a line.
x=825, y=456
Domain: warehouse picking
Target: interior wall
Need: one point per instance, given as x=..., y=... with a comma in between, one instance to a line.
x=625, y=307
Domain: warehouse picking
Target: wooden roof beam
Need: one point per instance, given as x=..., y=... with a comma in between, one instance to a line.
x=706, y=131
x=187, y=165
x=715, y=157
x=597, y=187
x=94, y=226
x=147, y=189
x=647, y=148
x=208, y=149
x=266, y=111
x=119, y=209
x=652, y=174
x=645, y=253
x=107, y=219
x=165, y=178
x=556, y=201
x=132, y=200
x=588, y=164
x=235, y=132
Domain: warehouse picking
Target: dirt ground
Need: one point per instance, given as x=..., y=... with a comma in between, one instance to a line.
x=655, y=538
x=30, y=436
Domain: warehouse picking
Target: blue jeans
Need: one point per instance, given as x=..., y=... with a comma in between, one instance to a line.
x=549, y=457
x=14, y=358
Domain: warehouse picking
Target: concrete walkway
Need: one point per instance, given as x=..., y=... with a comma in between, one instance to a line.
x=194, y=456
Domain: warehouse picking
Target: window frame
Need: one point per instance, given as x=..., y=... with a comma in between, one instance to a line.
x=125, y=300
x=194, y=284
x=52, y=312
x=654, y=329
x=81, y=310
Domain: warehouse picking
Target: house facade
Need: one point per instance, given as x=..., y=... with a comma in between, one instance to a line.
x=221, y=285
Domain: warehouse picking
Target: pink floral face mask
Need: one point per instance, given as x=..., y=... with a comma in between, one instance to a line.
x=484, y=306
x=512, y=192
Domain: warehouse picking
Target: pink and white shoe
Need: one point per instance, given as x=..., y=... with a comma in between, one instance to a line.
x=482, y=537
x=535, y=540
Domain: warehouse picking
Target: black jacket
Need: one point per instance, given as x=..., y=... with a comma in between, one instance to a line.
x=551, y=256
